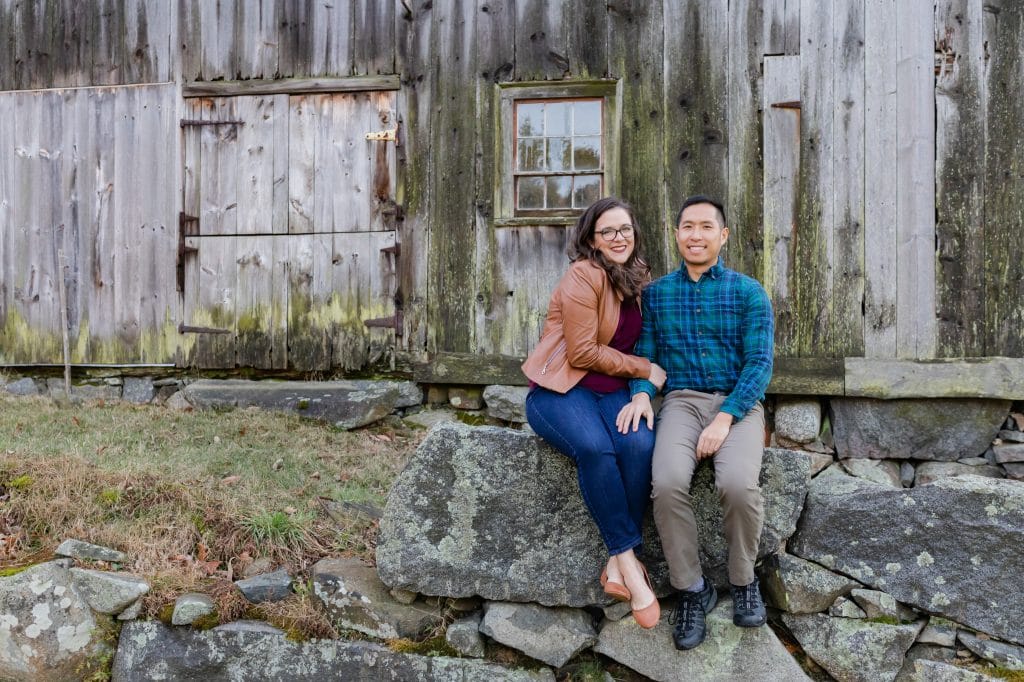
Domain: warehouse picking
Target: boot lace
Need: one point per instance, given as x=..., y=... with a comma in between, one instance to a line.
x=685, y=612
x=747, y=597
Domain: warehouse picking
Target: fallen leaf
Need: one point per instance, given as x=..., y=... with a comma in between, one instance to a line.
x=100, y=449
x=278, y=464
x=201, y=551
x=384, y=437
x=315, y=475
x=231, y=480
x=290, y=510
x=76, y=421
x=216, y=439
x=209, y=567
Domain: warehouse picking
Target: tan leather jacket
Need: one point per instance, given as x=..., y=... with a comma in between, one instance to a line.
x=582, y=318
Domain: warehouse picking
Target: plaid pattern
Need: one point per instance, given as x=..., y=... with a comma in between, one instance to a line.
x=716, y=334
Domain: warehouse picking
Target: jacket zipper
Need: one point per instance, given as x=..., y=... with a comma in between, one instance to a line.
x=561, y=346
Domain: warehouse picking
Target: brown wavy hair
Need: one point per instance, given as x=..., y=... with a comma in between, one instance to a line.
x=628, y=278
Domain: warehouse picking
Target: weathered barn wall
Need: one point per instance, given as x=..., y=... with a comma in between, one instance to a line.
x=870, y=153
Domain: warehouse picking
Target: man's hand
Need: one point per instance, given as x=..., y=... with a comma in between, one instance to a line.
x=658, y=377
x=712, y=437
x=632, y=412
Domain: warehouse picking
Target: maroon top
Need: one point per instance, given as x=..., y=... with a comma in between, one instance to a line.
x=623, y=341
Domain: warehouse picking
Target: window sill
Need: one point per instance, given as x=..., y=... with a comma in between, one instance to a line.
x=534, y=221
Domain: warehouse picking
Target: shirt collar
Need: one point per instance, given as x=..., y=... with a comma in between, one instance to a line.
x=714, y=272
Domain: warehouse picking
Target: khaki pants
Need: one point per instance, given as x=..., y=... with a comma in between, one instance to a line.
x=683, y=415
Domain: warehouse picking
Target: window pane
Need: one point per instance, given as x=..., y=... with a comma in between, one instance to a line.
x=530, y=155
x=559, y=190
x=530, y=193
x=586, y=191
x=587, y=118
x=559, y=153
x=530, y=119
x=587, y=153
x=558, y=122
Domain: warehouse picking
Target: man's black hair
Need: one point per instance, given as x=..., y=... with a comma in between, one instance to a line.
x=701, y=199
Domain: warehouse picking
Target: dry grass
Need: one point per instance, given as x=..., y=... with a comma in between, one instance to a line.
x=191, y=497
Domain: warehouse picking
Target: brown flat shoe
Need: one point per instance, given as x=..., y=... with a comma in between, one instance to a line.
x=648, y=616
x=613, y=589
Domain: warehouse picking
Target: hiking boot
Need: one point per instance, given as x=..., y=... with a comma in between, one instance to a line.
x=747, y=606
x=690, y=616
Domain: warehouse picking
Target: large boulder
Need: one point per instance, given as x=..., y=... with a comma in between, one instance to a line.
x=151, y=651
x=47, y=630
x=853, y=650
x=936, y=429
x=950, y=548
x=729, y=653
x=495, y=512
x=795, y=585
x=346, y=404
x=551, y=635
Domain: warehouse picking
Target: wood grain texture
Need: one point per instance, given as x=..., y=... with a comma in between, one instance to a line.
x=1004, y=179
x=915, y=181
x=880, y=155
x=781, y=176
x=781, y=27
x=960, y=107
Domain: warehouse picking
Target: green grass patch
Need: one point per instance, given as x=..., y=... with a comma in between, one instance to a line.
x=20, y=482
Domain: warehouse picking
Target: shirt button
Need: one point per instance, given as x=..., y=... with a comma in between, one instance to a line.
x=698, y=310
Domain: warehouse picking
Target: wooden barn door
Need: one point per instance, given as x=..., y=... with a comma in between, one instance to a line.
x=288, y=243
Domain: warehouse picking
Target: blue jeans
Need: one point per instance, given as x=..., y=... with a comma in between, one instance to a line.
x=614, y=469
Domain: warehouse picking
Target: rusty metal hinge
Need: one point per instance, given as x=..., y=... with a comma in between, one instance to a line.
x=386, y=135
x=786, y=105
x=392, y=322
x=185, y=122
x=394, y=250
x=189, y=329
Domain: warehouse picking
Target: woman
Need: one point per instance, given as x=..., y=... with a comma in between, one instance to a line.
x=578, y=375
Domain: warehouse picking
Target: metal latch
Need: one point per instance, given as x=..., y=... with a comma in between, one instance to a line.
x=386, y=135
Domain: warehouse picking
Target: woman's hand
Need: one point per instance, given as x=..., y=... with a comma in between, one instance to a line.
x=636, y=409
x=658, y=377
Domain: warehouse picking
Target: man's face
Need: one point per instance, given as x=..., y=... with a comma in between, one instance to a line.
x=700, y=237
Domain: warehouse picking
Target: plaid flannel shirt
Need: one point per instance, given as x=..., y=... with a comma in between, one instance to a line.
x=715, y=334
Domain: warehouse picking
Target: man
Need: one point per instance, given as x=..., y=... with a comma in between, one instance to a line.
x=712, y=330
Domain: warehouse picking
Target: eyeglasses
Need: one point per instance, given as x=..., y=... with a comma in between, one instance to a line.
x=610, y=234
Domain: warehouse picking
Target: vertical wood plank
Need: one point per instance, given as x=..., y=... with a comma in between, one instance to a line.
x=149, y=34
x=541, y=44
x=880, y=239
x=218, y=211
x=915, y=180
x=309, y=258
x=8, y=228
x=848, y=171
x=190, y=39
x=960, y=112
x=373, y=49
x=108, y=43
x=587, y=30
x=216, y=293
x=333, y=38
x=102, y=303
x=10, y=24
x=126, y=238
x=362, y=279
x=746, y=171
x=695, y=122
x=781, y=27
x=294, y=35
x=781, y=177
x=302, y=127
x=260, y=312
x=813, y=249
x=256, y=159
x=1004, y=177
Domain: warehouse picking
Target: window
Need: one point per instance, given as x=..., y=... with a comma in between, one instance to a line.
x=557, y=152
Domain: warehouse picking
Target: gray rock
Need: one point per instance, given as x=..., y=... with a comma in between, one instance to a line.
x=923, y=652
x=974, y=461
x=933, y=471
x=934, y=671
x=354, y=598
x=881, y=471
x=1014, y=471
x=448, y=528
x=250, y=626
x=846, y=608
x=190, y=607
x=25, y=386
x=430, y=417
x=77, y=549
x=878, y=604
x=907, y=474
x=1011, y=436
x=853, y=650
x=167, y=381
x=267, y=587
x=948, y=548
x=403, y=596
x=108, y=593
x=729, y=653
x=939, y=631
x=463, y=635
x=259, y=566
x=83, y=392
x=138, y=390
x=47, y=631
x=820, y=462
x=506, y=402
x=346, y=404
x=132, y=612
x=152, y=651
x=617, y=610
x=796, y=585
x=932, y=429
x=797, y=420
x=1002, y=654
x=178, y=401
x=465, y=397
x=464, y=604
x=551, y=635
x=1008, y=452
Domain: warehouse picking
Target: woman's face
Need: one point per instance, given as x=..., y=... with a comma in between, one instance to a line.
x=613, y=235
